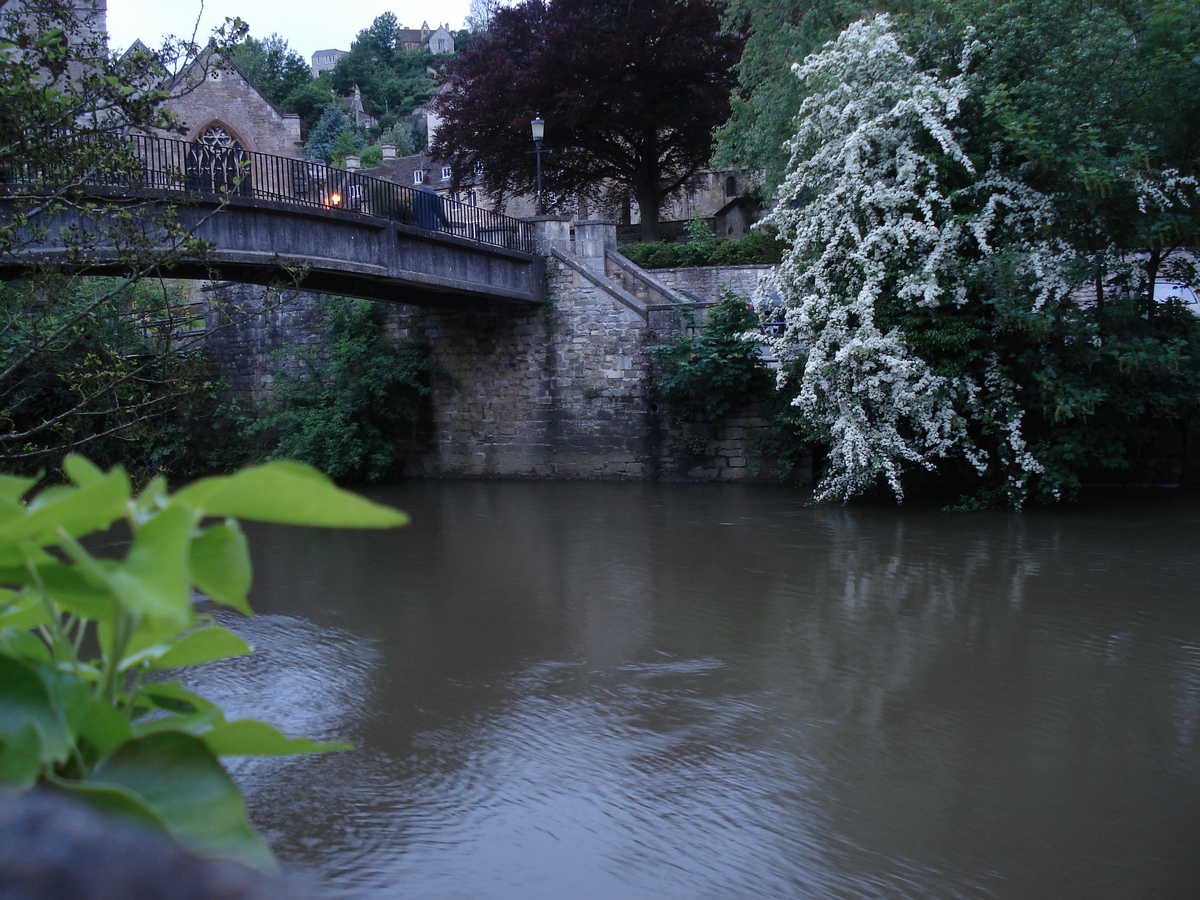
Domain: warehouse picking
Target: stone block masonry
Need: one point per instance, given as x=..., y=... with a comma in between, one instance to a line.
x=247, y=324
x=562, y=391
x=709, y=282
x=557, y=393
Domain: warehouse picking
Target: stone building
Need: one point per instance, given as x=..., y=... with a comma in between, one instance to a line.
x=435, y=40
x=325, y=60
x=223, y=109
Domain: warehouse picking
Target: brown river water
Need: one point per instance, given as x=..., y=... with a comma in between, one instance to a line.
x=580, y=691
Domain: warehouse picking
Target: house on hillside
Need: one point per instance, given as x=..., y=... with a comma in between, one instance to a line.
x=325, y=60
x=435, y=40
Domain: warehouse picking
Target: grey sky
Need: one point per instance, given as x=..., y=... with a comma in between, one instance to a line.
x=307, y=25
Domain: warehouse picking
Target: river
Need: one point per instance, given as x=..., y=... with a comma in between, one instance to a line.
x=581, y=691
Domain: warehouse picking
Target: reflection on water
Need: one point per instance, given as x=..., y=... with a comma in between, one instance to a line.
x=667, y=691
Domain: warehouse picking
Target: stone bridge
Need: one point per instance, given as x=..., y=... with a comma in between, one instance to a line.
x=548, y=345
x=270, y=219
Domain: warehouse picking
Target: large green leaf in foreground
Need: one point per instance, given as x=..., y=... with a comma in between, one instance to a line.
x=288, y=493
x=185, y=788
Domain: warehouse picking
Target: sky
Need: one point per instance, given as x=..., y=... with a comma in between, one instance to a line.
x=307, y=25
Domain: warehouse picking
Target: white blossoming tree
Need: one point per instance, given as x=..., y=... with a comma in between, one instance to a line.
x=979, y=244
x=888, y=222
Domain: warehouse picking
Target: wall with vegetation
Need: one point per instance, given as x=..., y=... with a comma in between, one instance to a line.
x=565, y=391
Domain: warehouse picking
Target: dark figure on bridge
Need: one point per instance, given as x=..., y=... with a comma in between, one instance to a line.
x=428, y=210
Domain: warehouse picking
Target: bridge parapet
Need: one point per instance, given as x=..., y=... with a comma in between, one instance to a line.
x=205, y=171
x=270, y=219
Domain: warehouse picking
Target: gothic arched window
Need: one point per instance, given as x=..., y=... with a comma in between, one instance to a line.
x=217, y=163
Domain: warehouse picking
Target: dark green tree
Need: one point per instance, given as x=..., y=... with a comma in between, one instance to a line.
x=355, y=415
x=272, y=67
x=311, y=99
x=778, y=33
x=393, y=80
x=630, y=95
x=323, y=139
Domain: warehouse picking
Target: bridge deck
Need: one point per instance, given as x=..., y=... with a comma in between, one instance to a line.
x=268, y=219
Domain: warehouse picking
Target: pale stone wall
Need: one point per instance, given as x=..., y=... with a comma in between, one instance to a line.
x=222, y=94
x=558, y=392
x=708, y=282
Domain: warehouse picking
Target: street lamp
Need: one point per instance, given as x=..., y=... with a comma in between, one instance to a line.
x=538, y=126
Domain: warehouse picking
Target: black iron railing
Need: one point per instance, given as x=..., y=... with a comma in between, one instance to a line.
x=163, y=164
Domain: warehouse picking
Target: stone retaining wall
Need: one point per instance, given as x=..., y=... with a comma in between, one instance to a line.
x=708, y=282
x=564, y=391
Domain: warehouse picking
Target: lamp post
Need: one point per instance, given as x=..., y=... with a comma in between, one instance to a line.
x=538, y=126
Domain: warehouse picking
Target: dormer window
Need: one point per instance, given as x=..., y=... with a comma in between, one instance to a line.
x=419, y=176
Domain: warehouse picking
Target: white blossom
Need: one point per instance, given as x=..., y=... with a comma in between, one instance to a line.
x=868, y=217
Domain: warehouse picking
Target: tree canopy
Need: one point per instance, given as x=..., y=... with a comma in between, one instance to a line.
x=272, y=67
x=779, y=34
x=979, y=207
x=630, y=94
x=393, y=80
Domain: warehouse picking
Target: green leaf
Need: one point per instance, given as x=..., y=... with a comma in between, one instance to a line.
x=27, y=612
x=220, y=565
x=26, y=701
x=102, y=726
x=115, y=800
x=82, y=470
x=152, y=498
x=71, y=590
x=287, y=493
x=180, y=779
x=76, y=510
x=21, y=758
x=12, y=488
x=153, y=578
x=250, y=737
x=188, y=711
x=200, y=646
x=23, y=645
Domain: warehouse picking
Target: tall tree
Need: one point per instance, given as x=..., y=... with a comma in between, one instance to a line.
x=272, y=67
x=970, y=282
x=779, y=34
x=480, y=14
x=630, y=93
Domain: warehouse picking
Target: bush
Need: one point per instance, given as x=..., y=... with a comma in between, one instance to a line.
x=354, y=416
x=760, y=247
x=713, y=373
x=89, y=364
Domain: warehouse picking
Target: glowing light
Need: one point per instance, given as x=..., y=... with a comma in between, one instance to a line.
x=335, y=199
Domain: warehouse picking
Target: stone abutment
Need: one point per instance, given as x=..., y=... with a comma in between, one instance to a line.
x=565, y=390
